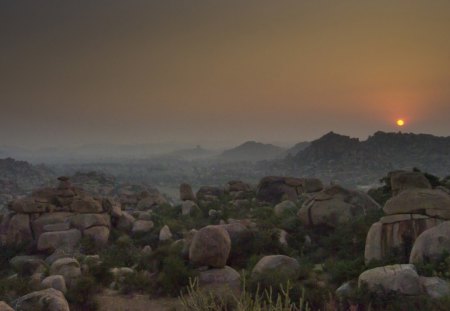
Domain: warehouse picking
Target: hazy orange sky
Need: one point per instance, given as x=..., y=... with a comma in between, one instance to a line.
x=76, y=72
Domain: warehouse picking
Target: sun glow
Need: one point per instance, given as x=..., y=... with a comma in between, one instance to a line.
x=400, y=122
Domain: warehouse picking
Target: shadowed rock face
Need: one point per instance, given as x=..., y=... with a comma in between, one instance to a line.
x=431, y=244
x=274, y=189
x=396, y=232
x=401, y=180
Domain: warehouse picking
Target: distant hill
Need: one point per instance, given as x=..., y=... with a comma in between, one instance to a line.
x=196, y=153
x=252, y=151
x=338, y=157
x=297, y=148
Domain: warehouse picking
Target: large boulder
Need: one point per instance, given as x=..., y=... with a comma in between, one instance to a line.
x=402, y=279
x=165, y=234
x=125, y=222
x=335, y=205
x=69, y=268
x=210, y=246
x=401, y=180
x=395, y=233
x=431, y=244
x=276, y=268
x=45, y=300
x=15, y=229
x=431, y=202
x=186, y=193
x=55, y=281
x=189, y=207
x=50, y=241
x=435, y=287
x=237, y=186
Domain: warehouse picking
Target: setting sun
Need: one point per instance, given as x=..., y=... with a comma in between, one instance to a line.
x=400, y=122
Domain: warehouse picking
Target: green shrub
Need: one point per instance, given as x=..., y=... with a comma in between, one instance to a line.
x=81, y=294
x=13, y=288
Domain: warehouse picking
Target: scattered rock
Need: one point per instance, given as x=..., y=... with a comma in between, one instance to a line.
x=281, y=267
x=165, y=233
x=69, y=268
x=99, y=234
x=435, y=287
x=210, y=246
x=402, y=279
x=220, y=280
x=284, y=207
x=189, y=207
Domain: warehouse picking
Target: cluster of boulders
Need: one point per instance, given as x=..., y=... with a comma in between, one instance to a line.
x=415, y=223
x=413, y=209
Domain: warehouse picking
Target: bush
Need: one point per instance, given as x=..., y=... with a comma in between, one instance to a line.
x=81, y=294
x=11, y=289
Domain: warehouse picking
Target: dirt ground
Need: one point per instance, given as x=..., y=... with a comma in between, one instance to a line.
x=114, y=302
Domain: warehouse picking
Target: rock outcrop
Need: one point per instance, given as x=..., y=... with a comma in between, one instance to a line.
x=280, y=267
x=335, y=205
x=409, y=214
x=46, y=300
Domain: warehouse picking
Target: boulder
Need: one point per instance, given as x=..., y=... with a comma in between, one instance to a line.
x=28, y=205
x=85, y=221
x=125, y=222
x=401, y=180
x=402, y=279
x=99, y=234
x=5, y=307
x=210, y=246
x=280, y=267
x=15, y=229
x=431, y=244
x=69, y=268
x=335, y=205
x=43, y=220
x=395, y=232
x=59, y=239
x=165, y=234
x=46, y=300
x=186, y=193
x=220, y=280
x=435, y=287
x=27, y=265
x=86, y=205
x=284, y=207
x=62, y=226
x=55, y=281
x=142, y=226
x=431, y=202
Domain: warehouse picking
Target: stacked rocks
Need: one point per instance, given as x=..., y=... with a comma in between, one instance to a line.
x=57, y=218
x=412, y=211
x=209, y=250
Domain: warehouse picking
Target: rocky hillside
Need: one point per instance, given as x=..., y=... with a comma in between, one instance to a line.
x=338, y=157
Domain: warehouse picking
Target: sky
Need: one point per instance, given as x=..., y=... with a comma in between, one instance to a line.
x=211, y=72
